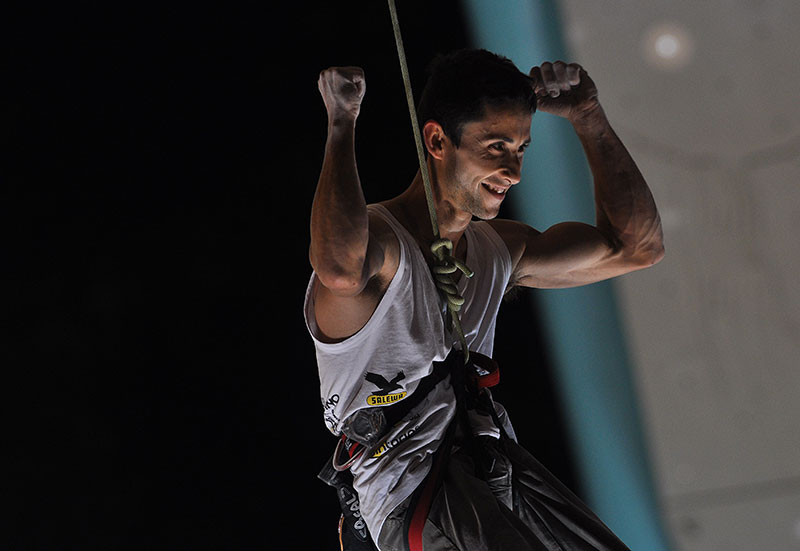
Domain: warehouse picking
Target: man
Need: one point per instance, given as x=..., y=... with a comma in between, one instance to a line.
x=378, y=322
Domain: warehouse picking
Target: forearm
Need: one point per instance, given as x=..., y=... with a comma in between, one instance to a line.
x=625, y=210
x=339, y=221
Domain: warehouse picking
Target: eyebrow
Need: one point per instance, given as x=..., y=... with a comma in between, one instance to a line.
x=494, y=137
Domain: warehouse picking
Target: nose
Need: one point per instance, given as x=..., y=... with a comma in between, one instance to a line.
x=512, y=168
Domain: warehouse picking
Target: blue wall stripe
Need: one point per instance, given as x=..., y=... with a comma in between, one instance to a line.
x=583, y=324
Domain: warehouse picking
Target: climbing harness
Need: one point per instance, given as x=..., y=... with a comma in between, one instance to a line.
x=481, y=372
x=444, y=264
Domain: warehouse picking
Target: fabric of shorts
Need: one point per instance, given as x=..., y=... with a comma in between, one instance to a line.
x=516, y=504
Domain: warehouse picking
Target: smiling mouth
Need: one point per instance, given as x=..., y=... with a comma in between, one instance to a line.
x=498, y=191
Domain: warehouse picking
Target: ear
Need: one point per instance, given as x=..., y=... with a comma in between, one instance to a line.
x=434, y=138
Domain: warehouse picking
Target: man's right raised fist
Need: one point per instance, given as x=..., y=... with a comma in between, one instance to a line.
x=342, y=90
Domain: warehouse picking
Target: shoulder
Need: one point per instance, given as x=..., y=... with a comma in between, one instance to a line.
x=379, y=225
x=515, y=235
x=337, y=316
x=382, y=232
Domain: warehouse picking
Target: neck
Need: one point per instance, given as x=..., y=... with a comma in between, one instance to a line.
x=414, y=206
x=411, y=209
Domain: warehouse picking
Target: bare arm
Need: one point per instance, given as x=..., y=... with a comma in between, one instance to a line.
x=625, y=212
x=627, y=233
x=353, y=257
x=340, y=249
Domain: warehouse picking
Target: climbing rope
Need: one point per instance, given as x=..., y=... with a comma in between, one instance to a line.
x=444, y=263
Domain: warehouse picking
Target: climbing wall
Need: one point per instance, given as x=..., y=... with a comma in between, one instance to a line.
x=705, y=96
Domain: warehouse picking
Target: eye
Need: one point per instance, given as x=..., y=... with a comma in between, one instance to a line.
x=498, y=146
x=523, y=147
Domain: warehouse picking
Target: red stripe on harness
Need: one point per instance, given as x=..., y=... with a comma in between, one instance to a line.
x=492, y=379
x=353, y=448
x=488, y=366
x=423, y=507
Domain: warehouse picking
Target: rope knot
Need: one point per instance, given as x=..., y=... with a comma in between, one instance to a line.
x=444, y=266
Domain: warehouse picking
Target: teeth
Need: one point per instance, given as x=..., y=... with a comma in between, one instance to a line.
x=500, y=190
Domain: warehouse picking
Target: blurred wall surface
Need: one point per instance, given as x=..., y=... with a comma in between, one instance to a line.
x=704, y=94
x=581, y=324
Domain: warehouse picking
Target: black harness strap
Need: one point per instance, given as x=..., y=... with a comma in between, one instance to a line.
x=396, y=412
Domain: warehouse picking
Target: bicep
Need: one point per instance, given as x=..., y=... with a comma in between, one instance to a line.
x=568, y=254
x=342, y=314
x=347, y=271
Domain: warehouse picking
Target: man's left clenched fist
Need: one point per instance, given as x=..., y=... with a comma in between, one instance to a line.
x=564, y=89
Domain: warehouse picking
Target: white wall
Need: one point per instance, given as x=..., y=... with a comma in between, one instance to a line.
x=714, y=329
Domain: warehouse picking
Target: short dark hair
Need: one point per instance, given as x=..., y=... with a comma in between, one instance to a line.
x=461, y=84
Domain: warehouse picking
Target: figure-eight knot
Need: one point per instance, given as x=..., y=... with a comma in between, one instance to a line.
x=444, y=266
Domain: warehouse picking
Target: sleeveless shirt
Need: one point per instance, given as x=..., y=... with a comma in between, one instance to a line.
x=384, y=361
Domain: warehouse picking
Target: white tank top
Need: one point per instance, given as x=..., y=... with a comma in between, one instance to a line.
x=384, y=361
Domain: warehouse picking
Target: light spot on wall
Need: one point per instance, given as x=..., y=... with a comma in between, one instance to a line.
x=667, y=46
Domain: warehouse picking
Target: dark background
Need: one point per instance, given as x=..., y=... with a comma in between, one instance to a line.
x=160, y=389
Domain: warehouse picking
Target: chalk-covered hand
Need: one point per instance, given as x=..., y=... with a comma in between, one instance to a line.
x=342, y=90
x=564, y=89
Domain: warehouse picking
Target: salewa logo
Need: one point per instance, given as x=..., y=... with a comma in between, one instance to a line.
x=385, y=395
x=389, y=444
x=385, y=400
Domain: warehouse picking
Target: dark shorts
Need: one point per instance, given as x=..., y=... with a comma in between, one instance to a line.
x=520, y=506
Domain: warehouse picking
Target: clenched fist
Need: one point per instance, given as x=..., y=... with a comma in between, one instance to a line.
x=564, y=89
x=342, y=90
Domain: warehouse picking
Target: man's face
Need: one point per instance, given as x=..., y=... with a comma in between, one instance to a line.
x=479, y=172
